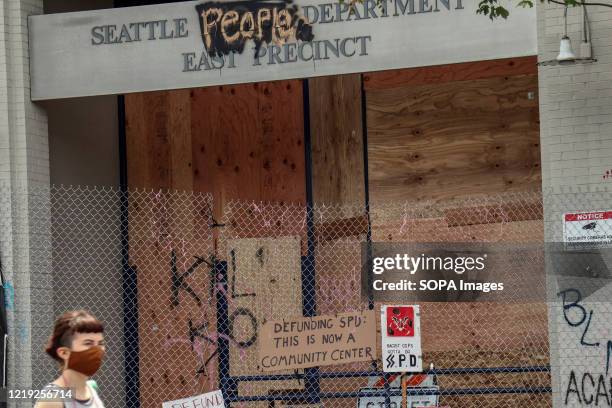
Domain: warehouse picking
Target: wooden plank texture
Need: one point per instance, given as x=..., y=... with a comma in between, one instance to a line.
x=165, y=237
x=440, y=133
x=148, y=146
x=337, y=140
x=449, y=73
x=236, y=142
x=247, y=141
x=259, y=271
x=436, y=142
x=346, y=227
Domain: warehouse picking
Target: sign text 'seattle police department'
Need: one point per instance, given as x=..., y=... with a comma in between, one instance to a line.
x=202, y=43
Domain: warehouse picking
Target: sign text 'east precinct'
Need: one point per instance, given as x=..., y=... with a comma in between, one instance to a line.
x=203, y=43
x=280, y=33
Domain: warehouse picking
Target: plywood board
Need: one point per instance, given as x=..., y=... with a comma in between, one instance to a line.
x=158, y=134
x=236, y=142
x=166, y=241
x=247, y=141
x=440, y=141
x=337, y=140
x=438, y=74
x=438, y=230
x=264, y=284
x=148, y=145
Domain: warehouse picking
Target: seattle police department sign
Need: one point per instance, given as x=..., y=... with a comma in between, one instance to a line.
x=195, y=43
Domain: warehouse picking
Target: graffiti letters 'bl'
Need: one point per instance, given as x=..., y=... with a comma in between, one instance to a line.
x=226, y=27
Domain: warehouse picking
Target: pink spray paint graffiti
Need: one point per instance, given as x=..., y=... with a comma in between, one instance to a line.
x=204, y=342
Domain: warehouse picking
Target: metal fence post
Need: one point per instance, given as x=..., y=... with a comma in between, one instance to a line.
x=226, y=384
x=387, y=391
x=130, y=276
x=311, y=379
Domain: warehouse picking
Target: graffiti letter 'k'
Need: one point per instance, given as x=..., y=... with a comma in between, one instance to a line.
x=197, y=332
x=178, y=280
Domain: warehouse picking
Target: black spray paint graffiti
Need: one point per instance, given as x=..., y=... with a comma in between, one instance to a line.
x=201, y=332
x=178, y=279
x=226, y=27
x=581, y=316
x=240, y=312
x=234, y=269
x=198, y=333
x=589, y=390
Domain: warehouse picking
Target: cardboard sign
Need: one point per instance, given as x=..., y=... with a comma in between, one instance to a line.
x=587, y=229
x=212, y=399
x=317, y=341
x=401, y=338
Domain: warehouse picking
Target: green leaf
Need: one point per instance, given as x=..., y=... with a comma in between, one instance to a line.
x=502, y=12
x=483, y=10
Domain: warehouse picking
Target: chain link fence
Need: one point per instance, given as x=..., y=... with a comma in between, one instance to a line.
x=184, y=286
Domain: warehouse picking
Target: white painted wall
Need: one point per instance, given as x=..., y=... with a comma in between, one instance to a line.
x=576, y=143
x=24, y=166
x=67, y=59
x=72, y=141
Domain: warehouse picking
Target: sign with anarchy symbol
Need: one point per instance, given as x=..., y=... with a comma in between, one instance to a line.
x=401, y=338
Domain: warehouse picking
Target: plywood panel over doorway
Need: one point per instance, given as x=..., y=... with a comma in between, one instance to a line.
x=236, y=142
x=451, y=132
x=444, y=132
x=158, y=130
x=337, y=140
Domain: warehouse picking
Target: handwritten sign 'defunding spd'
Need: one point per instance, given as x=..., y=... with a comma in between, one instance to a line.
x=317, y=341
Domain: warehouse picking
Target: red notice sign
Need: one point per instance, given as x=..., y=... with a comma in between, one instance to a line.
x=592, y=229
x=588, y=216
x=400, y=321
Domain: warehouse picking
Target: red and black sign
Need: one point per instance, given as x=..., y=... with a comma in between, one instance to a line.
x=400, y=321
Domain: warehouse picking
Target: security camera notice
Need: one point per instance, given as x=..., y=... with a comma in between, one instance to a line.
x=401, y=338
x=317, y=341
x=587, y=230
x=441, y=272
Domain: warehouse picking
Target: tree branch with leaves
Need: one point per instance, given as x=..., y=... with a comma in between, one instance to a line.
x=493, y=10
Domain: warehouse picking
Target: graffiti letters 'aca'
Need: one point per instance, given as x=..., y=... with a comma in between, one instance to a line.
x=226, y=27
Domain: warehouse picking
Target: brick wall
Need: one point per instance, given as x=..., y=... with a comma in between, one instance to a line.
x=23, y=166
x=576, y=148
x=575, y=101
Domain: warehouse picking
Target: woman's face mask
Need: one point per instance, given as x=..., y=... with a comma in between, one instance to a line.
x=86, y=362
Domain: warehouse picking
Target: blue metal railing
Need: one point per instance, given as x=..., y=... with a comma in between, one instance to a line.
x=304, y=396
x=387, y=392
x=437, y=371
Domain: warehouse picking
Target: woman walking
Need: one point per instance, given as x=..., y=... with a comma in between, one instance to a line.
x=77, y=344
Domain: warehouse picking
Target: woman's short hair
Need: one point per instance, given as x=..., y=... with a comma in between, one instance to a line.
x=67, y=325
